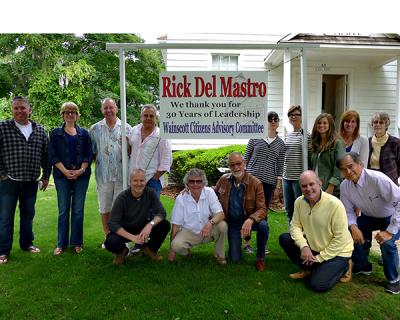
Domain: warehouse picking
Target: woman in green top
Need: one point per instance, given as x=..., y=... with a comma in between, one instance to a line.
x=326, y=148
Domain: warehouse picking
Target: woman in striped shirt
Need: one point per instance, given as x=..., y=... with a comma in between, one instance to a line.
x=293, y=164
x=264, y=160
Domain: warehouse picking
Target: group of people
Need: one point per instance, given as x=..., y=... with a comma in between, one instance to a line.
x=350, y=191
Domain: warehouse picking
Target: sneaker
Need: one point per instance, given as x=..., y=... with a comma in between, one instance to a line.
x=300, y=275
x=151, y=254
x=103, y=246
x=267, y=251
x=393, y=288
x=248, y=249
x=261, y=266
x=366, y=270
x=348, y=275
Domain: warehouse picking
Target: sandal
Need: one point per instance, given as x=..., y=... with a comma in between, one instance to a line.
x=3, y=259
x=58, y=251
x=33, y=249
x=78, y=249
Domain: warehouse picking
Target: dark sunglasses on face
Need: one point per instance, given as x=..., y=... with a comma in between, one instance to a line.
x=273, y=120
x=295, y=115
x=196, y=181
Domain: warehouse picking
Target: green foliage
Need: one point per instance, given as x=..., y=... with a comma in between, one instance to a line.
x=5, y=109
x=206, y=159
x=54, y=68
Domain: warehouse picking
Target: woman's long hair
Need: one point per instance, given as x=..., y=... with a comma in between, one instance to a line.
x=330, y=135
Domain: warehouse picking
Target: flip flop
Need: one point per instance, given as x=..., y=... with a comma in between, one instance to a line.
x=33, y=249
x=78, y=249
x=3, y=259
x=57, y=251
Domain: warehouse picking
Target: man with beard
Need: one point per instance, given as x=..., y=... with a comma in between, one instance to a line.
x=243, y=202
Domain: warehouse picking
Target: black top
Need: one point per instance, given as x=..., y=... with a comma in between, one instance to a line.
x=129, y=212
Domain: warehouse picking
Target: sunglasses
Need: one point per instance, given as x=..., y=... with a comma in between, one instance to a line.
x=196, y=181
x=378, y=122
x=273, y=120
x=295, y=115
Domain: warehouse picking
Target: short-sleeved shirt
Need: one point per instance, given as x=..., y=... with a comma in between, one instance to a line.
x=107, y=146
x=194, y=215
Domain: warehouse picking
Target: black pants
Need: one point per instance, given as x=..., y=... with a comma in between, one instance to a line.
x=116, y=244
x=324, y=275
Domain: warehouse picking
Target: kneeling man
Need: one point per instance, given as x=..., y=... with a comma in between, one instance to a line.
x=319, y=241
x=197, y=218
x=242, y=199
x=379, y=200
x=138, y=216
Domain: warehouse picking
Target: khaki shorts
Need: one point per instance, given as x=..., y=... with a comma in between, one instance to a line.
x=106, y=194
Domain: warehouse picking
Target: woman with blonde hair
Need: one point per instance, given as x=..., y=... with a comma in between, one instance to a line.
x=325, y=149
x=70, y=153
x=349, y=131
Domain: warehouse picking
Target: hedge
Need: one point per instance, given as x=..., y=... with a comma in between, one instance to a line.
x=206, y=159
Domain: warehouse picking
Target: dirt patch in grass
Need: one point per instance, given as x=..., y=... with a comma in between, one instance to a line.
x=171, y=191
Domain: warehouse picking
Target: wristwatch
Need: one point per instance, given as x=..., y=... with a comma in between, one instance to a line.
x=152, y=223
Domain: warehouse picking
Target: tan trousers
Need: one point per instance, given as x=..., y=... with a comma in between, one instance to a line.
x=186, y=239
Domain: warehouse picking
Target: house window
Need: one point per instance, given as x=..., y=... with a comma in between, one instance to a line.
x=224, y=62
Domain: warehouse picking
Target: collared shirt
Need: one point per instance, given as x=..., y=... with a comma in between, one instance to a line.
x=235, y=206
x=152, y=154
x=375, y=194
x=194, y=215
x=22, y=159
x=107, y=146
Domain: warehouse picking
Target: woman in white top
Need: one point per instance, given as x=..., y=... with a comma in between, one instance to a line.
x=349, y=131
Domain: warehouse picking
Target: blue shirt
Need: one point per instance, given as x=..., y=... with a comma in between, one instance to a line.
x=375, y=194
x=235, y=204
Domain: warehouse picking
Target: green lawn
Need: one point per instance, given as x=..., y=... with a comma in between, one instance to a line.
x=88, y=286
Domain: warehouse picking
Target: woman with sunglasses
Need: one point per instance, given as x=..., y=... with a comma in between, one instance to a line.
x=325, y=149
x=264, y=160
x=384, y=149
x=70, y=153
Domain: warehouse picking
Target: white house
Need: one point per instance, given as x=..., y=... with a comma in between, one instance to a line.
x=344, y=71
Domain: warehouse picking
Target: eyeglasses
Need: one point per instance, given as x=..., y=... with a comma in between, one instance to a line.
x=273, y=120
x=196, y=181
x=235, y=164
x=378, y=122
x=295, y=115
x=70, y=112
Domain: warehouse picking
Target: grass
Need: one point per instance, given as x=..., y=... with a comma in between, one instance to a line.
x=88, y=286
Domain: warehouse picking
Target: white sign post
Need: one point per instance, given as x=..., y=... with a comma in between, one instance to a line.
x=213, y=105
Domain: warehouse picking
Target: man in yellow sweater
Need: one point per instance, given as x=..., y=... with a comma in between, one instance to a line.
x=319, y=241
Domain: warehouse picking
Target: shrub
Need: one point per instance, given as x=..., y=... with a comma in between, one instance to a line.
x=206, y=159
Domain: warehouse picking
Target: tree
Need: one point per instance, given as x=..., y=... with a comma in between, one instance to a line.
x=54, y=68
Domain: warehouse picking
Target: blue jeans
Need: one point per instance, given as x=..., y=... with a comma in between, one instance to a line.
x=235, y=240
x=10, y=193
x=324, y=275
x=268, y=191
x=390, y=255
x=155, y=185
x=71, y=196
x=291, y=191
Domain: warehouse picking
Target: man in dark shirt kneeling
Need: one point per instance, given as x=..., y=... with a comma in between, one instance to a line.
x=138, y=216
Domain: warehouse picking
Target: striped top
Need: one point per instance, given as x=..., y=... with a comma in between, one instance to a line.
x=293, y=164
x=265, y=161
